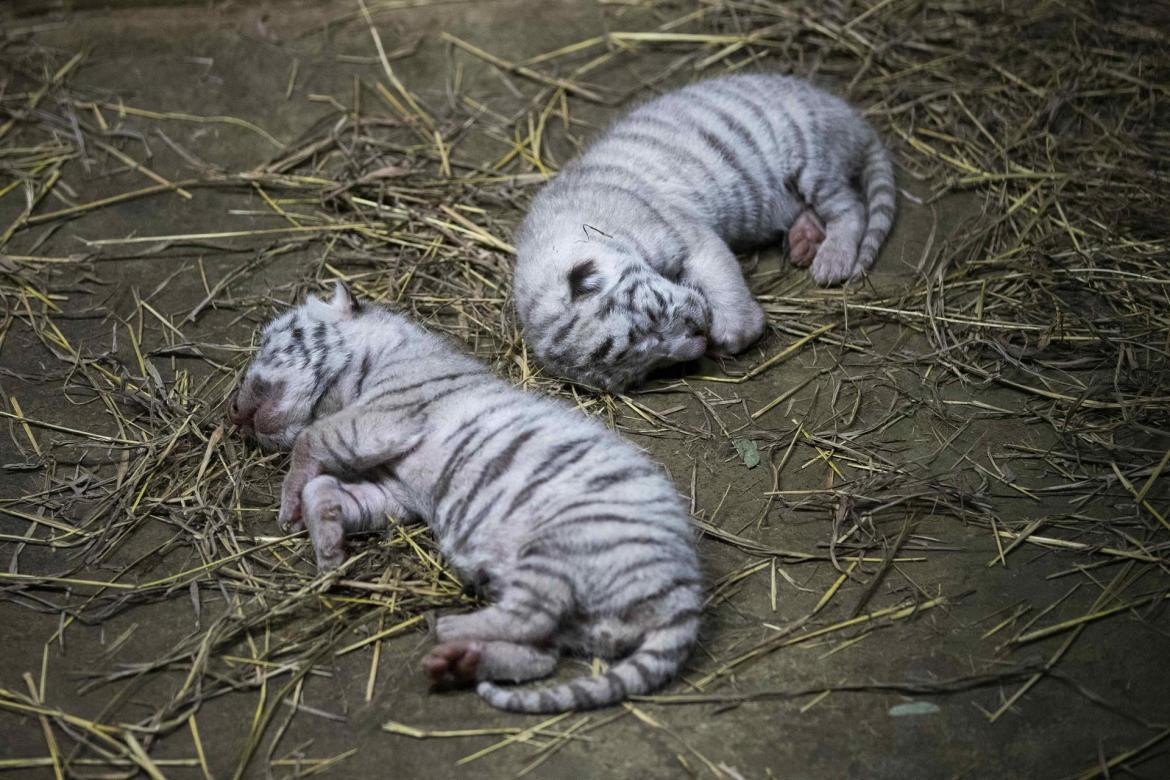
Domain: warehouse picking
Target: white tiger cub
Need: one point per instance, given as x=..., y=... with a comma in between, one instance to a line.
x=581, y=541
x=624, y=261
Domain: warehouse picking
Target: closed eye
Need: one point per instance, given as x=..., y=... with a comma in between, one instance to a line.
x=583, y=280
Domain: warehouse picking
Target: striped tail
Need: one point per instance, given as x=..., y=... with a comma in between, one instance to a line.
x=656, y=661
x=877, y=181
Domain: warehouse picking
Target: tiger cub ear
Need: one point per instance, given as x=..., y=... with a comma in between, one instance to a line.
x=343, y=301
x=583, y=279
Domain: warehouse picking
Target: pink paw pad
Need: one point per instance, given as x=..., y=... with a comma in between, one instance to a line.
x=804, y=238
x=452, y=665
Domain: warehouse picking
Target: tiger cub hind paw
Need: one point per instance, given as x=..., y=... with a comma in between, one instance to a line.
x=804, y=237
x=452, y=665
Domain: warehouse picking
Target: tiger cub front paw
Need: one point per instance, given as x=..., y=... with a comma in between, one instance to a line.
x=734, y=331
x=323, y=517
x=290, y=518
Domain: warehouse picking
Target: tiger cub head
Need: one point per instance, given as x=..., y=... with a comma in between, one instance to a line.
x=287, y=384
x=616, y=320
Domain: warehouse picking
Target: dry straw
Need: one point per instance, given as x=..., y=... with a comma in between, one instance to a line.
x=1050, y=310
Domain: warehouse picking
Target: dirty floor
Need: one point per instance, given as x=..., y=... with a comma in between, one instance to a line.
x=933, y=516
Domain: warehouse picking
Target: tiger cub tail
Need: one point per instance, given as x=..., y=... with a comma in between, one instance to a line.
x=877, y=181
x=657, y=660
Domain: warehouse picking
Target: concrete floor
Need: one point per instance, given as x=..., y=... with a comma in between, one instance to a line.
x=235, y=59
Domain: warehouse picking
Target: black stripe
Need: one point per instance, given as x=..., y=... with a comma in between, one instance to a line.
x=364, y=514
x=682, y=616
x=338, y=459
x=592, y=547
x=729, y=156
x=761, y=117
x=443, y=483
x=814, y=189
x=665, y=152
x=700, y=130
x=482, y=414
x=581, y=696
x=605, y=518
x=563, y=331
x=328, y=386
x=546, y=471
x=422, y=383
x=668, y=656
x=602, y=350
x=586, y=166
x=499, y=464
x=469, y=494
x=603, y=481
x=663, y=589
x=298, y=337
x=744, y=134
x=816, y=160
x=618, y=582
x=647, y=677
x=419, y=404
x=320, y=330
x=525, y=494
x=544, y=570
x=597, y=502
x=642, y=565
x=629, y=271
x=363, y=372
x=616, y=681
x=541, y=594
x=462, y=523
x=562, y=451
x=673, y=152
x=392, y=461
x=632, y=291
x=800, y=145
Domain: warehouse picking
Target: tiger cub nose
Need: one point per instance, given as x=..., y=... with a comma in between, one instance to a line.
x=236, y=416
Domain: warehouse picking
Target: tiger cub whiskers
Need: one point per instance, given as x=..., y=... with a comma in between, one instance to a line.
x=581, y=541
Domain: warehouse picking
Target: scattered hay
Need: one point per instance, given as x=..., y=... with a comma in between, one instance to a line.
x=1053, y=118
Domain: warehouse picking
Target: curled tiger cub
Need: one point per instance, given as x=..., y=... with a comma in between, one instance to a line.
x=624, y=261
x=579, y=540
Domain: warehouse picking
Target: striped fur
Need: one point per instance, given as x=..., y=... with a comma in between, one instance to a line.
x=580, y=540
x=664, y=195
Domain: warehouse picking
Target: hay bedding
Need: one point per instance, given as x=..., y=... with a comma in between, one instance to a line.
x=1053, y=305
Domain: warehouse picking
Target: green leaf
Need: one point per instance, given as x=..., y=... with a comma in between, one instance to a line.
x=748, y=452
x=914, y=708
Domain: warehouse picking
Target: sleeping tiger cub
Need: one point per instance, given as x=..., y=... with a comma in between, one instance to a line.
x=580, y=541
x=624, y=261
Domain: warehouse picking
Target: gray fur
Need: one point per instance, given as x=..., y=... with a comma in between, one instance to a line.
x=624, y=261
x=581, y=540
